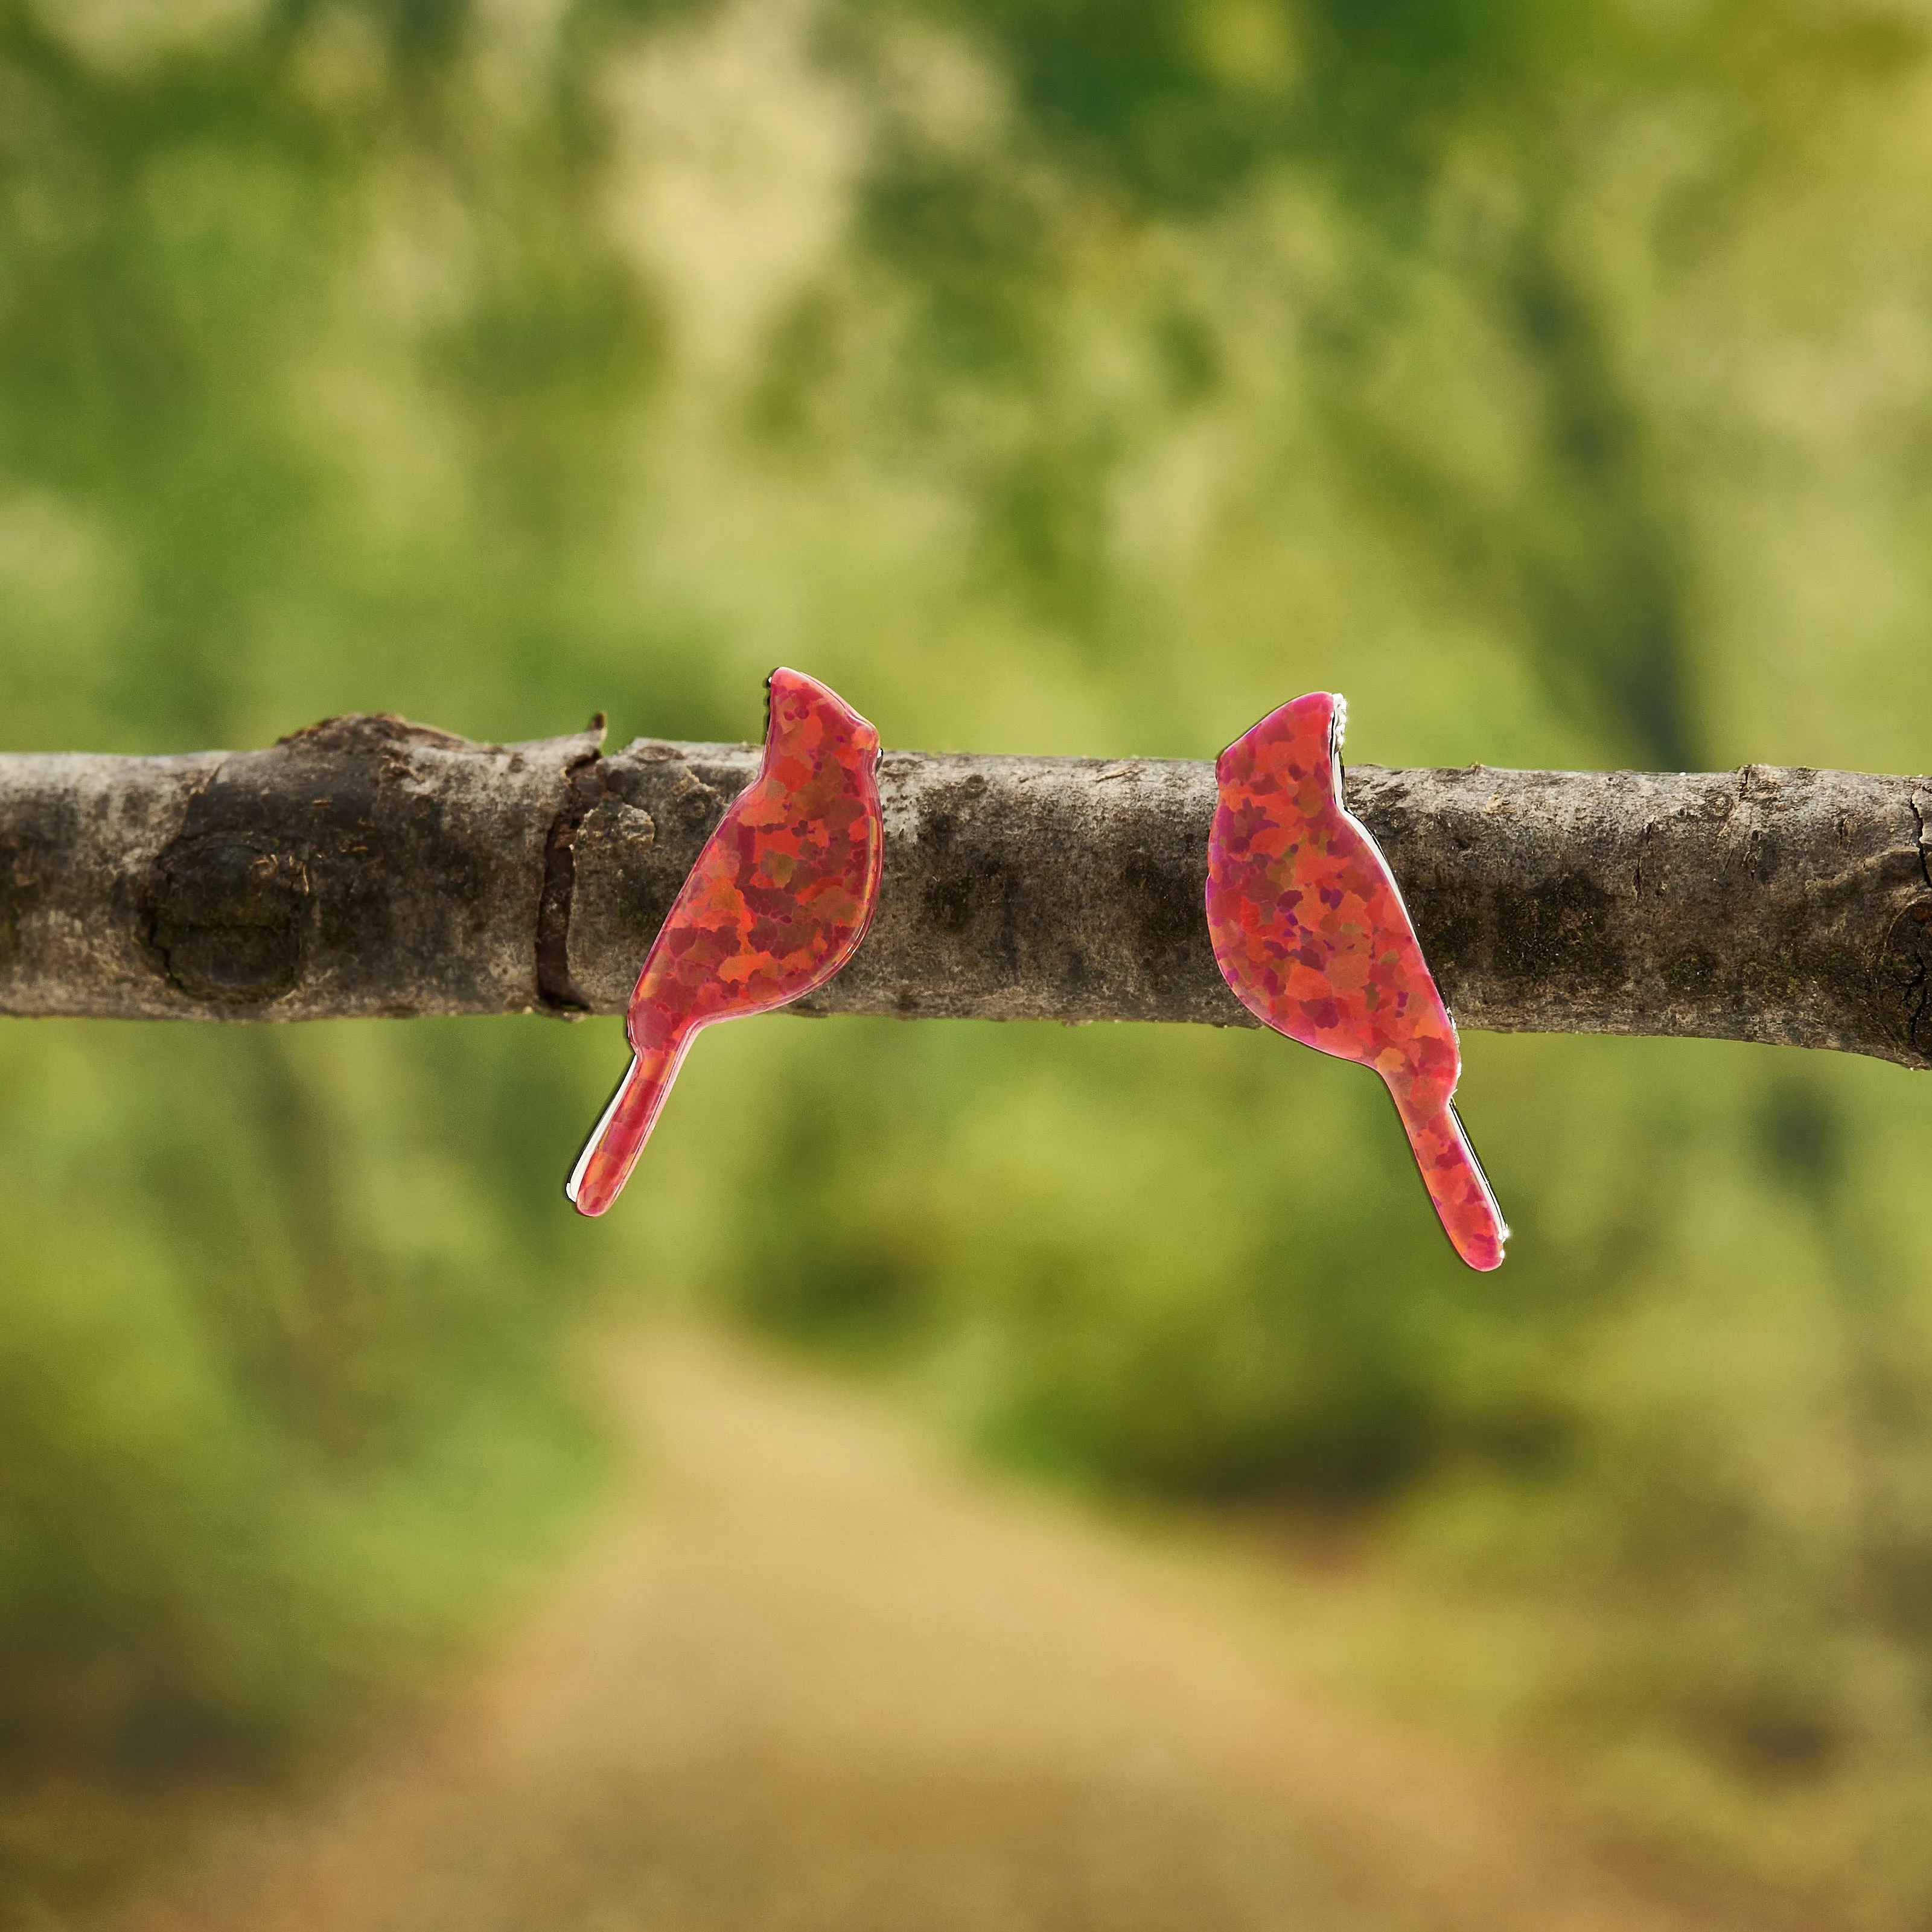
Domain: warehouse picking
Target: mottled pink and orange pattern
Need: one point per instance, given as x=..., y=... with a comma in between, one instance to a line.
x=1310, y=931
x=777, y=903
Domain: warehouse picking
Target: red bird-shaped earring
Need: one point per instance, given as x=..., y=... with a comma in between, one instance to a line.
x=1310, y=931
x=778, y=901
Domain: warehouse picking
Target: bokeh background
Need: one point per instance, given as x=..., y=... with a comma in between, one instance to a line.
x=1081, y=376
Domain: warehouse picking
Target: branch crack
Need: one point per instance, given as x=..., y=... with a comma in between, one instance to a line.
x=583, y=788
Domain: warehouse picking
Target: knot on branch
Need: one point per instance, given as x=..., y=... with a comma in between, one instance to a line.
x=1904, y=980
x=226, y=917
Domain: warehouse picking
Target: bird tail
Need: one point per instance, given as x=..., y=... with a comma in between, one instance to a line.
x=619, y=1137
x=1457, y=1185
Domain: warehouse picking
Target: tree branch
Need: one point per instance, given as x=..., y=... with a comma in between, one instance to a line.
x=369, y=866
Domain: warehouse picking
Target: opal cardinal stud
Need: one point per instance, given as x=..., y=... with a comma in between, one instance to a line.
x=1310, y=931
x=777, y=903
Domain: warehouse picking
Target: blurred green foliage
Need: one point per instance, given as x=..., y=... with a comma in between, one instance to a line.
x=1061, y=377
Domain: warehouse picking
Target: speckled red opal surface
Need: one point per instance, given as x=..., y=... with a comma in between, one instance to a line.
x=778, y=901
x=1310, y=931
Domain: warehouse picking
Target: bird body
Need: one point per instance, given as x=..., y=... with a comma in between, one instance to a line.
x=1310, y=931
x=778, y=901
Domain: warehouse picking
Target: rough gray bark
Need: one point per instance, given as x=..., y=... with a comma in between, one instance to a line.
x=369, y=866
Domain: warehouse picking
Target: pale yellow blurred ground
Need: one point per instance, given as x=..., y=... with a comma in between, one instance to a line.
x=813, y=1677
